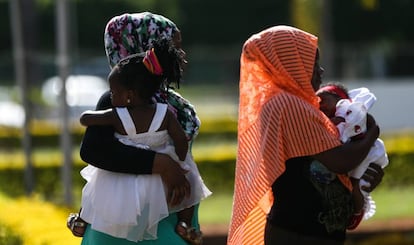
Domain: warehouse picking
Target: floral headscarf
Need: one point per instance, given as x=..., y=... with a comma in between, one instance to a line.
x=129, y=34
x=133, y=33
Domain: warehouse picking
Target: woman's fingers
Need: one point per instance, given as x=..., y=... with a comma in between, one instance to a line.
x=178, y=194
x=173, y=177
x=373, y=175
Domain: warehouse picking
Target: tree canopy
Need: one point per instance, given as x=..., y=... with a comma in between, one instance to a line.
x=217, y=23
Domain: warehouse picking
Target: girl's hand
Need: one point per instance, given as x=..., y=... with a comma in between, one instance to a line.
x=373, y=175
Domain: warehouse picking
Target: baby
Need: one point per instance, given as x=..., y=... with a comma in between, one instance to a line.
x=348, y=111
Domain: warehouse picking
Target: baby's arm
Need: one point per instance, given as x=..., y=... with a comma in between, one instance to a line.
x=178, y=136
x=100, y=117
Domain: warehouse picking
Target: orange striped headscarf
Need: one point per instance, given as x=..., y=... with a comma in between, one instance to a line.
x=279, y=119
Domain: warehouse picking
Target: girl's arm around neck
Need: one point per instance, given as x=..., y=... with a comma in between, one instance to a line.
x=99, y=117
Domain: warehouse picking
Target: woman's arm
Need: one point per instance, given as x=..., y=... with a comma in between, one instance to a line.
x=346, y=157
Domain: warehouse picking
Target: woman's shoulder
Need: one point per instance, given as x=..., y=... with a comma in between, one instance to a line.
x=104, y=101
x=174, y=96
x=183, y=110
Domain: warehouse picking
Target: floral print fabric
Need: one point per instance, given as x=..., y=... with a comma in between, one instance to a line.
x=184, y=111
x=133, y=33
x=129, y=34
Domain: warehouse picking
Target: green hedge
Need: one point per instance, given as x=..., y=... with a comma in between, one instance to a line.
x=218, y=176
x=400, y=170
x=216, y=165
x=8, y=237
x=44, y=134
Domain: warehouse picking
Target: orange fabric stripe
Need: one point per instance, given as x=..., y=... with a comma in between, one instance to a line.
x=255, y=171
x=279, y=119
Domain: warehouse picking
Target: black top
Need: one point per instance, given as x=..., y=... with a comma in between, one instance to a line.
x=298, y=206
x=101, y=149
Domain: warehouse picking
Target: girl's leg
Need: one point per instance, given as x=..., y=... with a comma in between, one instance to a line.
x=185, y=229
x=186, y=215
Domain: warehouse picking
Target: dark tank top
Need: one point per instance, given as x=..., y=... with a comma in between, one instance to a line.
x=299, y=205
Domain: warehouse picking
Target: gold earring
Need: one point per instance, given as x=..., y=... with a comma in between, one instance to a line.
x=128, y=101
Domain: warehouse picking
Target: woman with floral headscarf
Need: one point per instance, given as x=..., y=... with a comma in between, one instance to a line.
x=125, y=35
x=289, y=182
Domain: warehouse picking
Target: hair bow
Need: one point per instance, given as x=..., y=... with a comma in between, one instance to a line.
x=151, y=62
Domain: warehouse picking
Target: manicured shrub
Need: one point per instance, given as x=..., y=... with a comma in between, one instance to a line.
x=8, y=237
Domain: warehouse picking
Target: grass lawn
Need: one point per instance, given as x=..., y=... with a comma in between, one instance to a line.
x=394, y=202
x=216, y=209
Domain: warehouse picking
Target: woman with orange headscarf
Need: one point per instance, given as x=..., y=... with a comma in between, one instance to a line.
x=290, y=161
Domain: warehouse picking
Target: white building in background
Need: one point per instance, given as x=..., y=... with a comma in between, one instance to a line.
x=393, y=110
x=82, y=90
x=11, y=114
x=82, y=93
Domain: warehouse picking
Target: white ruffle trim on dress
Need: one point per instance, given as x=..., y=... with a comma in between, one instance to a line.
x=123, y=205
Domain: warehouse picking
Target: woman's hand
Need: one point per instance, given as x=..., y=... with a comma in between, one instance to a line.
x=373, y=175
x=173, y=177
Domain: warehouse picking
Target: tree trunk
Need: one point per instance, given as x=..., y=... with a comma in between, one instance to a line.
x=62, y=29
x=23, y=26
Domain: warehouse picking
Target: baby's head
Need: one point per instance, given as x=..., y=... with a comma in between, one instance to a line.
x=330, y=94
x=348, y=116
x=354, y=115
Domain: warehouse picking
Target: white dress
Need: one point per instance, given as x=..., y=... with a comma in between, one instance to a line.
x=130, y=206
x=355, y=114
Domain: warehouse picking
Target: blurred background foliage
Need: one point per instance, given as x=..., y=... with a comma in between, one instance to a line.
x=370, y=39
x=214, y=31
x=359, y=39
x=214, y=152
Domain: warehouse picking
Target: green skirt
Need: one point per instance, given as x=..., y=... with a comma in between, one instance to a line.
x=166, y=234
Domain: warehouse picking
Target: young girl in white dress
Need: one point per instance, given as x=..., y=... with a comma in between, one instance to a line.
x=130, y=206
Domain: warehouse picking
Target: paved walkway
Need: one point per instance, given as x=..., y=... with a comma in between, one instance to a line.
x=395, y=232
